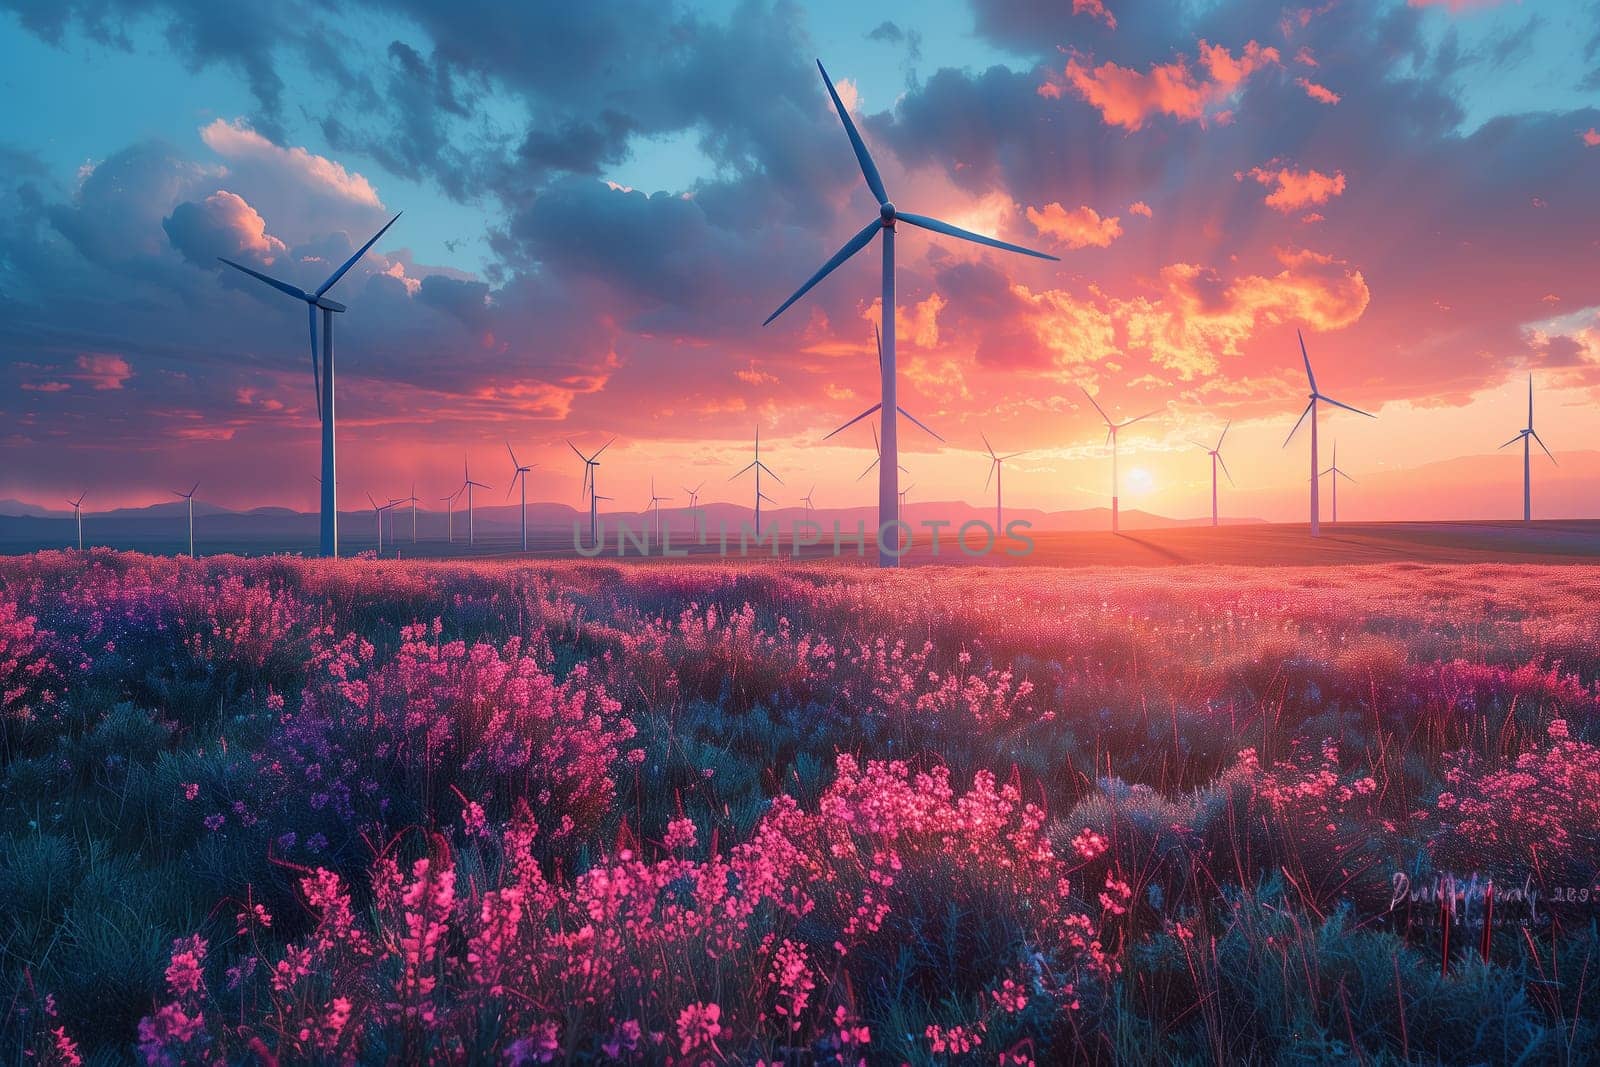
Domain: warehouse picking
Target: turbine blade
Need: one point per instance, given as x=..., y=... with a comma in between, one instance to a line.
x=876, y=447
x=1298, y=421
x=878, y=337
x=993, y=463
x=1530, y=401
x=575, y=452
x=1013, y=455
x=868, y=471
x=514, y=462
x=768, y=469
x=1342, y=474
x=1224, y=435
x=1096, y=404
x=857, y=419
x=1224, y=466
x=1514, y=440
x=869, y=169
x=333, y=279
x=282, y=287
x=603, y=447
x=1140, y=418
x=987, y=446
x=1347, y=407
x=967, y=235
x=1312, y=378
x=316, y=368
x=1547, y=452
x=851, y=247
x=914, y=419
x=1197, y=444
x=746, y=470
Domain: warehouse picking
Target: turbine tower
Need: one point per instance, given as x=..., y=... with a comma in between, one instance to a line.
x=1216, y=460
x=884, y=224
x=77, y=514
x=189, y=496
x=758, y=466
x=1311, y=409
x=1112, y=429
x=519, y=471
x=378, y=510
x=449, y=513
x=877, y=450
x=1525, y=435
x=472, y=516
x=1336, y=474
x=322, y=377
x=655, y=502
x=589, y=464
x=412, y=500
x=996, y=463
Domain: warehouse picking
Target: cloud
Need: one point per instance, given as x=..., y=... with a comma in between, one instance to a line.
x=1320, y=93
x=1456, y=7
x=1139, y=207
x=1295, y=189
x=1128, y=98
x=1590, y=137
x=1097, y=9
x=237, y=142
x=103, y=372
x=1079, y=228
x=222, y=224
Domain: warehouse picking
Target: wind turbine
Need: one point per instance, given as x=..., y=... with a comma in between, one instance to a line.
x=1112, y=429
x=996, y=465
x=589, y=464
x=884, y=224
x=322, y=378
x=1525, y=435
x=1216, y=459
x=1311, y=409
x=449, y=513
x=810, y=507
x=77, y=513
x=655, y=502
x=189, y=496
x=520, y=471
x=694, y=495
x=904, y=491
x=1336, y=474
x=877, y=450
x=758, y=466
x=412, y=500
x=378, y=510
x=472, y=516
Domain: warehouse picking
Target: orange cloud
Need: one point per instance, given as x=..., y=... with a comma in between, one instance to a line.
x=1078, y=228
x=1293, y=189
x=915, y=324
x=1128, y=98
x=1590, y=137
x=1139, y=207
x=1097, y=8
x=1305, y=57
x=1320, y=93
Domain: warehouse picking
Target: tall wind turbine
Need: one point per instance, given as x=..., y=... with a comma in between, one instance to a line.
x=884, y=224
x=1112, y=429
x=472, y=516
x=520, y=471
x=322, y=377
x=996, y=465
x=1336, y=473
x=758, y=466
x=1311, y=409
x=655, y=502
x=449, y=513
x=1216, y=460
x=413, y=500
x=589, y=465
x=77, y=514
x=189, y=496
x=1525, y=435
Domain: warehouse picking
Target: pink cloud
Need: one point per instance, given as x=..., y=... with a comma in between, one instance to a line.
x=1320, y=93
x=1293, y=189
x=1590, y=137
x=1139, y=207
x=102, y=371
x=1305, y=57
x=1128, y=98
x=1096, y=8
x=1455, y=7
x=1078, y=228
x=237, y=141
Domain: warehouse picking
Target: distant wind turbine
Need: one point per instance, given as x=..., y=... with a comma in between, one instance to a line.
x=189, y=496
x=589, y=465
x=519, y=471
x=758, y=466
x=996, y=465
x=884, y=224
x=1311, y=409
x=1216, y=460
x=472, y=516
x=413, y=500
x=904, y=491
x=322, y=378
x=449, y=513
x=1525, y=435
x=655, y=502
x=77, y=513
x=810, y=507
x=1336, y=473
x=877, y=452
x=1112, y=429
x=378, y=510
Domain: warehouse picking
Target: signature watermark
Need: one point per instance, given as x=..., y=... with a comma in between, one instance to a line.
x=973, y=538
x=1475, y=900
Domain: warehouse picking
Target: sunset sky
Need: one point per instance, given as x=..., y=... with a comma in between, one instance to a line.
x=602, y=202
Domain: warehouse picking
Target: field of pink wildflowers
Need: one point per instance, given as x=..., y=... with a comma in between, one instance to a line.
x=274, y=811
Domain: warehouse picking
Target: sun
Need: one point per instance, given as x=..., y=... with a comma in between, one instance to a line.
x=1139, y=480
